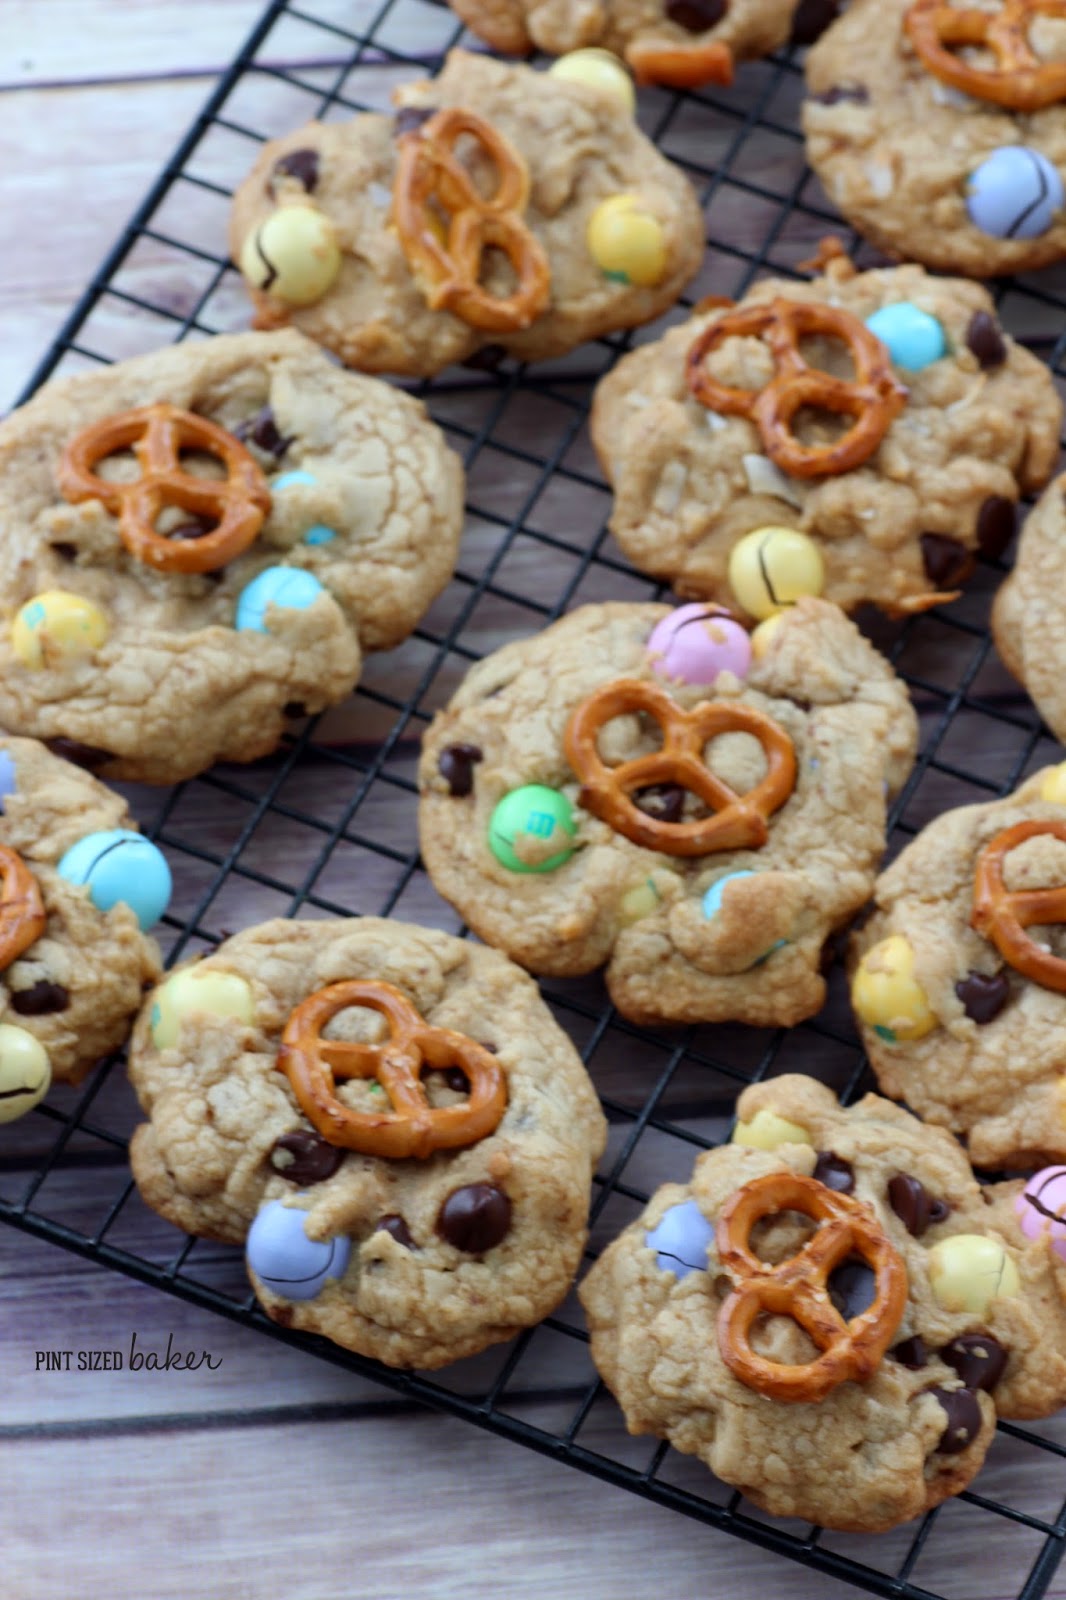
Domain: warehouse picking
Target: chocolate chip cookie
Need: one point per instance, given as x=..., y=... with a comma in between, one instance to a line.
x=653, y=791
x=849, y=1373
x=882, y=420
x=499, y=211
x=1027, y=619
x=194, y=541
x=388, y=1115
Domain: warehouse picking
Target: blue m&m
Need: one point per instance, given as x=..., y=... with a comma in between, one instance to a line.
x=288, y=587
x=286, y=1261
x=681, y=1240
x=7, y=778
x=1014, y=193
x=319, y=533
x=120, y=867
x=914, y=338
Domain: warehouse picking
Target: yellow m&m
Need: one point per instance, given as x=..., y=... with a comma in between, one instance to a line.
x=887, y=996
x=967, y=1272
x=25, y=1072
x=596, y=69
x=767, y=1130
x=197, y=990
x=762, y=636
x=293, y=255
x=771, y=568
x=1053, y=787
x=55, y=627
x=627, y=242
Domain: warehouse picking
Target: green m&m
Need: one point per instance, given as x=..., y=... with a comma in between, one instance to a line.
x=531, y=828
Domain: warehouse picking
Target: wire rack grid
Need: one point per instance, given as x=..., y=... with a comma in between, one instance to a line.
x=327, y=826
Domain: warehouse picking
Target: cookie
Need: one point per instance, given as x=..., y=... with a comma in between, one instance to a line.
x=392, y=1118
x=1027, y=618
x=960, y=990
x=635, y=788
x=162, y=618
x=949, y=420
x=680, y=43
x=370, y=235
x=949, y=155
x=851, y=1378
x=80, y=888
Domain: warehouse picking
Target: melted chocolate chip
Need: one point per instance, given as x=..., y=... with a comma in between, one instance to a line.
x=193, y=529
x=695, y=16
x=457, y=1080
x=663, y=801
x=964, y=1419
x=995, y=526
x=910, y=1353
x=475, y=1218
x=294, y=708
x=41, y=1000
x=811, y=18
x=301, y=165
x=89, y=756
x=946, y=561
x=978, y=1359
x=913, y=1204
x=408, y=118
x=487, y=359
x=65, y=552
x=456, y=764
x=983, y=997
x=834, y=1172
x=852, y=1287
x=394, y=1225
x=313, y=1158
x=262, y=430
x=857, y=92
x=984, y=338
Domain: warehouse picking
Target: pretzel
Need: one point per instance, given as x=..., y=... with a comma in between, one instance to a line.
x=157, y=435
x=430, y=179
x=873, y=398
x=798, y=1288
x=22, y=913
x=1020, y=81
x=1003, y=915
x=413, y=1127
x=680, y=66
x=739, y=821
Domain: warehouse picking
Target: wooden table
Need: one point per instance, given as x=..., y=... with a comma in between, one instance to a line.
x=268, y=1472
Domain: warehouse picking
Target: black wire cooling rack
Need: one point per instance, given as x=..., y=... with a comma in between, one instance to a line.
x=327, y=826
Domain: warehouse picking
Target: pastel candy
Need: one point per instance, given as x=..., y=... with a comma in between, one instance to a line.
x=1053, y=786
x=712, y=900
x=696, y=643
x=599, y=70
x=286, y=1261
x=530, y=829
x=288, y=587
x=681, y=1240
x=627, y=242
x=968, y=1271
x=57, y=626
x=8, y=785
x=293, y=255
x=120, y=866
x=914, y=338
x=767, y=1130
x=25, y=1072
x=1014, y=193
x=318, y=533
x=196, y=990
x=886, y=995
x=1041, y=1208
x=771, y=568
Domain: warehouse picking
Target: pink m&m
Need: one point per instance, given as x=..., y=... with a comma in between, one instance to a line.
x=1041, y=1208
x=696, y=643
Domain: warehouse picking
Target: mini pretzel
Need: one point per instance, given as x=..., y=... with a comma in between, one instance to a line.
x=798, y=1288
x=431, y=179
x=680, y=66
x=157, y=435
x=22, y=913
x=1003, y=915
x=412, y=1127
x=873, y=398
x=739, y=821
x=1020, y=81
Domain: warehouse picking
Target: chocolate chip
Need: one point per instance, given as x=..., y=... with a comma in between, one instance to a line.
x=964, y=1419
x=844, y=91
x=995, y=526
x=487, y=359
x=456, y=764
x=408, y=118
x=984, y=338
x=262, y=430
x=910, y=1353
x=834, y=1172
x=852, y=1287
x=983, y=997
x=475, y=1218
x=301, y=165
x=396, y=1227
x=946, y=561
x=978, y=1359
x=89, y=756
x=695, y=16
x=457, y=1080
x=41, y=999
x=65, y=552
x=195, y=528
x=913, y=1204
x=663, y=801
x=294, y=708
x=811, y=18
x=313, y=1158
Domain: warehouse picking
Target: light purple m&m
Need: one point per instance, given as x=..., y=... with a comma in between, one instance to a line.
x=1041, y=1208
x=681, y=1240
x=695, y=643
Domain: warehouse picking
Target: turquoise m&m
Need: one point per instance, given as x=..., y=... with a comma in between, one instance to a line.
x=288, y=587
x=120, y=867
x=531, y=828
x=319, y=533
x=914, y=338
